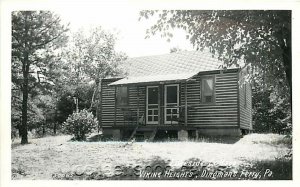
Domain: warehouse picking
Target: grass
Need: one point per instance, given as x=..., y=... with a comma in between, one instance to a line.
x=58, y=158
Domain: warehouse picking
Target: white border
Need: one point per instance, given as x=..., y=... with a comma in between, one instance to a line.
x=7, y=6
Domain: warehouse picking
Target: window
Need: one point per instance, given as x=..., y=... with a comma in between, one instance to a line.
x=152, y=95
x=121, y=96
x=172, y=94
x=208, y=90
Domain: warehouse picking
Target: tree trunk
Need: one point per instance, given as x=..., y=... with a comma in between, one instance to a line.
x=92, y=102
x=287, y=61
x=54, y=128
x=44, y=130
x=286, y=46
x=24, y=139
x=98, y=117
x=25, y=69
x=55, y=123
x=97, y=81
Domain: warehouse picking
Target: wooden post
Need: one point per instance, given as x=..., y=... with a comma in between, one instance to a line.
x=115, y=109
x=185, y=104
x=138, y=106
x=100, y=108
x=159, y=111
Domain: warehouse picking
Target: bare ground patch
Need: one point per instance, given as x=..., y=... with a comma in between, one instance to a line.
x=58, y=158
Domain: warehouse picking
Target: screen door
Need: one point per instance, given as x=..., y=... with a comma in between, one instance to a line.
x=152, y=105
x=171, y=104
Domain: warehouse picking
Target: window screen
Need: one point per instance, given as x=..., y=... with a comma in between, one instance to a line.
x=153, y=95
x=208, y=90
x=122, y=96
x=172, y=94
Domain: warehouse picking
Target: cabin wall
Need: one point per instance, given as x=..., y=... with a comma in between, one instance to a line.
x=245, y=97
x=109, y=109
x=218, y=118
x=137, y=101
x=107, y=103
x=223, y=113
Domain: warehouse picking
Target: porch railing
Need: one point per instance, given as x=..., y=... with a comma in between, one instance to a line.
x=132, y=115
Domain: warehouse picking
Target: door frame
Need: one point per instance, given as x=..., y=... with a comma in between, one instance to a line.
x=165, y=103
x=151, y=122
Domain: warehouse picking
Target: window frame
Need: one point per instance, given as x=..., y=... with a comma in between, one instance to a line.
x=202, y=97
x=118, y=104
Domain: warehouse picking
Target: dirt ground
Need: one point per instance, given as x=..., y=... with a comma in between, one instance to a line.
x=52, y=157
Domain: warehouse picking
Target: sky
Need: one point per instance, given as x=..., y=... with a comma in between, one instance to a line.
x=130, y=32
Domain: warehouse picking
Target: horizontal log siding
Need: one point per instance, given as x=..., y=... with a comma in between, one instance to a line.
x=107, y=104
x=108, y=117
x=133, y=100
x=222, y=113
x=245, y=109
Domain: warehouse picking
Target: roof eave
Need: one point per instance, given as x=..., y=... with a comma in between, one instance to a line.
x=153, y=82
x=178, y=80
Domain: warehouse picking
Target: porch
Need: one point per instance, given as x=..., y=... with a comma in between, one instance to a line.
x=164, y=116
x=155, y=108
x=152, y=105
x=153, y=100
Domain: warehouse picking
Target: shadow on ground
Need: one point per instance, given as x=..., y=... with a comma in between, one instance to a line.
x=161, y=137
x=194, y=169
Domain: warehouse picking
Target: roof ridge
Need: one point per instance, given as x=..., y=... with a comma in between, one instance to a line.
x=170, y=54
x=182, y=61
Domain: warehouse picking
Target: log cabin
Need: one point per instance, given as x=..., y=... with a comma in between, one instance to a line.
x=186, y=92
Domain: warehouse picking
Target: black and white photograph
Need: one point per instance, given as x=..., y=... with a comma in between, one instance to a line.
x=117, y=91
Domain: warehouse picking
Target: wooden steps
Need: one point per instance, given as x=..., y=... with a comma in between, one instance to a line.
x=139, y=134
x=152, y=136
x=133, y=133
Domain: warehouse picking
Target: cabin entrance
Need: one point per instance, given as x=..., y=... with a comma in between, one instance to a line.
x=152, y=105
x=171, y=104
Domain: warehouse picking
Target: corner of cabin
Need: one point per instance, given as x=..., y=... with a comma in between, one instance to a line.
x=245, y=100
x=219, y=117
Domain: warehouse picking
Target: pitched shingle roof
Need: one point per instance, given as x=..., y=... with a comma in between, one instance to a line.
x=173, y=63
x=174, y=66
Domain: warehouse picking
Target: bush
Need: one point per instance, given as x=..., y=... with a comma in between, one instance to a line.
x=271, y=113
x=80, y=124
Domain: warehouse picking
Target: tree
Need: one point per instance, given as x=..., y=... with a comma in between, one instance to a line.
x=175, y=49
x=269, y=112
x=257, y=37
x=35, y=36
x=90, y=57
x=94, y=56
x=34, y=114
x=65, y=103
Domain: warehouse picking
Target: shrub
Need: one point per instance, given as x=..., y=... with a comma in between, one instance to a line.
x=80, y=124
x=271, y=113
